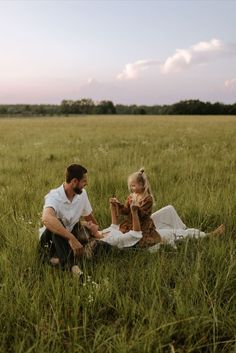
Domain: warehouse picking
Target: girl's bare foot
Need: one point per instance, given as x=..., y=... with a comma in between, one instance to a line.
x=218, y=231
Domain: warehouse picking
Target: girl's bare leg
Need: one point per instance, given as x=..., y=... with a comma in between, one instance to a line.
x=135, y=218
x=114, y=213
x=218, y=231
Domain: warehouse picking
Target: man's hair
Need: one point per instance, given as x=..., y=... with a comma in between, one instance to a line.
x=75, y=171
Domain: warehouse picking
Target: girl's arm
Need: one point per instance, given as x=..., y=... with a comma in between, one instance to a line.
x=125, y=209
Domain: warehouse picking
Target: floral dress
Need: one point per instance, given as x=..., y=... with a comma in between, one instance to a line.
x=150, y=235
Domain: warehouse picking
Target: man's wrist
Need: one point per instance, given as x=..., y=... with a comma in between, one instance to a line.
x=70, y=236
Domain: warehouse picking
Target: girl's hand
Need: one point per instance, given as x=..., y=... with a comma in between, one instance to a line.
x=131, y=199
x=114, y=200
x=134, y=207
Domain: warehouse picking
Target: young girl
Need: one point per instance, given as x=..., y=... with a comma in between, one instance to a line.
x=138, y=229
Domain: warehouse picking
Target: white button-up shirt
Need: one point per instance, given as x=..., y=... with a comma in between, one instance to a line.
x=69, y=212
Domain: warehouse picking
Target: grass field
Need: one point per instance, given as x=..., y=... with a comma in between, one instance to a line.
x=180, y=300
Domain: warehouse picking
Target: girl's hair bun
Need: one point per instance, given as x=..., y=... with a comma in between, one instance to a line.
x=141, y=170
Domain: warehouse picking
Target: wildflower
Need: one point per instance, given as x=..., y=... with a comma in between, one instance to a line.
x=90, y=299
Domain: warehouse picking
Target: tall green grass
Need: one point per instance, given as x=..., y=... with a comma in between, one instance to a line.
x=172, y=301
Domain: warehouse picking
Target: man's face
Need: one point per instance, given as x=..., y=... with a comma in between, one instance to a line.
x=78, y=185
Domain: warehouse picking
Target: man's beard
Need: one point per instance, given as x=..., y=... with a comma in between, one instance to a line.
x=77, y=190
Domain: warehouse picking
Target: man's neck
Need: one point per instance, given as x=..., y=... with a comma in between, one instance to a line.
x=69, y=191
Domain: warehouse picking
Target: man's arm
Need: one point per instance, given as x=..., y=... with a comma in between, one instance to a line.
x=51, y=222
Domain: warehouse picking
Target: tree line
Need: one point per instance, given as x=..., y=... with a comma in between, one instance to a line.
x=88, y=106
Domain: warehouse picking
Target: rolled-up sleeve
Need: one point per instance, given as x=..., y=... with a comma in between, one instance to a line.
x=87, y=210
x=51, y=202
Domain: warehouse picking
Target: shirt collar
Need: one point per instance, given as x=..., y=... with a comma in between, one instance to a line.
x=64, y=197
x=63, y=194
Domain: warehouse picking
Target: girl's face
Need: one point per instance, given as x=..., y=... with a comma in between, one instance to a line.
x=136, y=187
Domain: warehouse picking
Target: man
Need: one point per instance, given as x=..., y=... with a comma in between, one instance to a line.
x=62, y=211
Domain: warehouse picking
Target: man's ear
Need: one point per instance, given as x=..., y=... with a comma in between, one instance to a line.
x=73, y=181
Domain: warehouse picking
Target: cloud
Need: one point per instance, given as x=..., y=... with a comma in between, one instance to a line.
x=92, y=81
x=132, y=70
x=182, y=59
x=199, y=53
x=230, y=83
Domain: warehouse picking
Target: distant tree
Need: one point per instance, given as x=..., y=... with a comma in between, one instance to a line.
x=139, y=111
x=123, y=109
x=76, y=107
x=3, y=110
x=66, y=107
x=40, y=109
x=218, y=108
x=232, y=109
x=133, y=108
x=86, y=106
x=105, y=107
x=207, y=110
x=188, y=107
x=152, y=110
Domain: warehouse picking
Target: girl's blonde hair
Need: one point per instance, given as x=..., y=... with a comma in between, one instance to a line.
x=140, y=177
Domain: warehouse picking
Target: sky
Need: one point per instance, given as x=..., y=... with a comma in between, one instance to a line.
x=127, y=51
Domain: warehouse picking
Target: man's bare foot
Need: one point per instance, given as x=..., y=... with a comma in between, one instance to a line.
x=54, y=261
x=218, y=231
x=76, y=271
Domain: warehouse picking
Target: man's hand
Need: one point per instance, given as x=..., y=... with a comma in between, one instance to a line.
x=76, y=246
x=90, y=217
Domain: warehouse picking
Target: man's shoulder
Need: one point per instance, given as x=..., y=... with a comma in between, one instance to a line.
x=84, y=193
x=56, y=193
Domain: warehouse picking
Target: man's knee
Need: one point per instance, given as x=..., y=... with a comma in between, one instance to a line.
x=45, y=247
